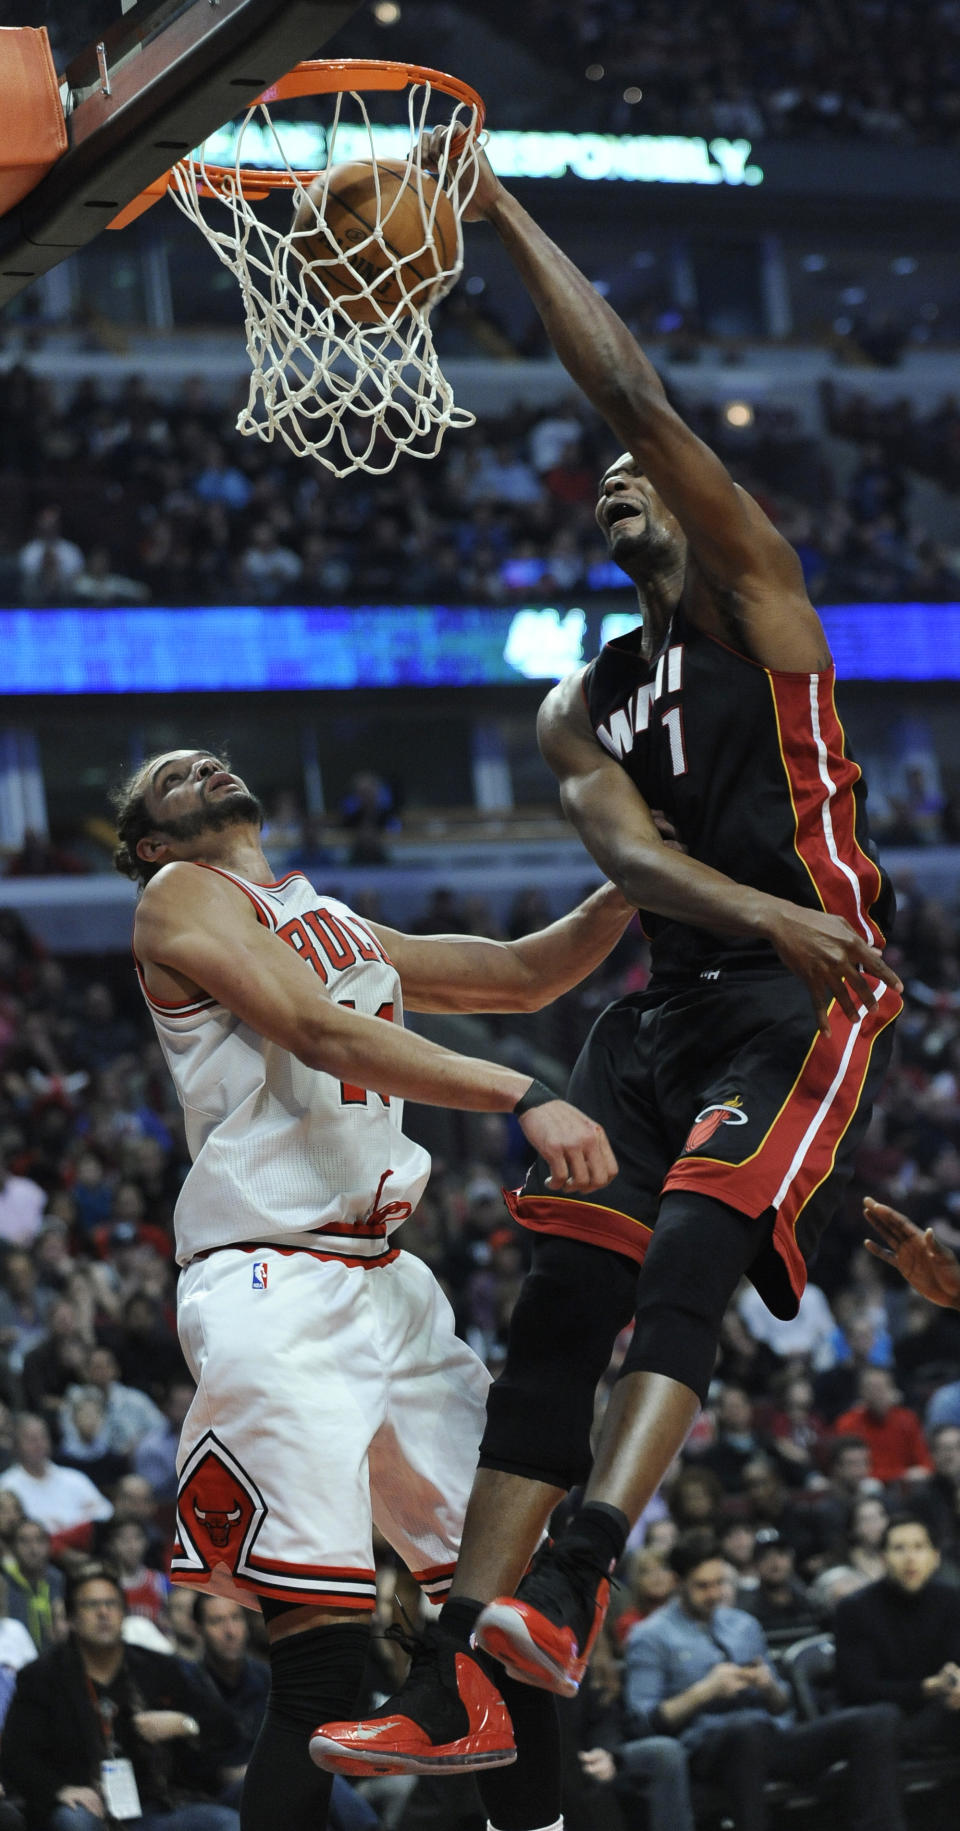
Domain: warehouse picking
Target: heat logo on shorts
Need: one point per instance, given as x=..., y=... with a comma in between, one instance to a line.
x=725, y=1112
x=260, y=1270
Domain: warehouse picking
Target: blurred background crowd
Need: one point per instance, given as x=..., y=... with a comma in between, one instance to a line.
x=887, y=70
x=138, y=497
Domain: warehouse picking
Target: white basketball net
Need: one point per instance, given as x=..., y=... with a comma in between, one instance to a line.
x=352, y=395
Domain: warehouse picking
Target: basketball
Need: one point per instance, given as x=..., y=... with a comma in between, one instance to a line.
x=403, y=269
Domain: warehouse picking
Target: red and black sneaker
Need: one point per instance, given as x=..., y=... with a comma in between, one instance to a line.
x=447, y=1717
x=546, y=1633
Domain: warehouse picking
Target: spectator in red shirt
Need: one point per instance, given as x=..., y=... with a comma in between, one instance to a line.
x=892, y=1432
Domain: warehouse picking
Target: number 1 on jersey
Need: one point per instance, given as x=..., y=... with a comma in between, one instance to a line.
x=672, y=721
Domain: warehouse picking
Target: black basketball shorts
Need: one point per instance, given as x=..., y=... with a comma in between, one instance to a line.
x=724, y=1087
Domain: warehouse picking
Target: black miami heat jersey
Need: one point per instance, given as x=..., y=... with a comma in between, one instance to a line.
x=752, y=767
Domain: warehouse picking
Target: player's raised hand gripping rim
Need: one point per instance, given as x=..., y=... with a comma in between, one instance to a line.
x=488, y=186
x=929, y=1267
x=834, y=962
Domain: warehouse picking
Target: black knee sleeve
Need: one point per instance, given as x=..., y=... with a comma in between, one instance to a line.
x=573, y=1304
x=699, y=1252
x=315, y=1678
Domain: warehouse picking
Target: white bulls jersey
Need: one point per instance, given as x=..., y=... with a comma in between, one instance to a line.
x=280, y=1150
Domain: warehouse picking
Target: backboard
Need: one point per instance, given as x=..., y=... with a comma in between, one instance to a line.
x=153, y=79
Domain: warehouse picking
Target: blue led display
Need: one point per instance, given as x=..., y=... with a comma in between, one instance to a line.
x=244, y=649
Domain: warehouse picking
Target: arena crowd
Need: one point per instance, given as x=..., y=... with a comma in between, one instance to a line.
x=885, y=71
x=817, y=1435
x=132, y=499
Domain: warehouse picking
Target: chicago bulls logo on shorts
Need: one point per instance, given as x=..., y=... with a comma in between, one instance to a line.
x=724, y=1112
x=219, y=1510
x=217, y=1524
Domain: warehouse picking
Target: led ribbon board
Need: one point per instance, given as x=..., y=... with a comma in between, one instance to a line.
x=294, y=647
x=639, y=158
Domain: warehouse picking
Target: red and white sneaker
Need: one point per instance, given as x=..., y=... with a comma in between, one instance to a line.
x=545, y=1634
x=447, y=1717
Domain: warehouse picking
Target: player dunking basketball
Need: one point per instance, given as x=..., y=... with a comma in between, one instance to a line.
x=734, y=1090
x=332, y=1391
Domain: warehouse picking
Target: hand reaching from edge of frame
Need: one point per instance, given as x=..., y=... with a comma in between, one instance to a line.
x=929, y=1267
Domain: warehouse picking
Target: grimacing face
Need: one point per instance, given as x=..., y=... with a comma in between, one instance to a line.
x=641, y=533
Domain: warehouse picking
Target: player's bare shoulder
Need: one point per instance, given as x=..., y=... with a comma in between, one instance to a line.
x=183, y=895
x=762, y=607
x=563, y=723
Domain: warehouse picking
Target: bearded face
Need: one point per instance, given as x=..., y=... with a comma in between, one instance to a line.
x=237, y=809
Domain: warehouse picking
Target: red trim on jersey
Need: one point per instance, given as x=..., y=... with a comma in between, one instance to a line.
x=281, y=1567
x=434, y=1573
x=356, y=1230
x=264, y=912
x=799, y=1148
x=845, y=810
x=314, y=1596
x=171, y=1007
x=758, y=666
x=333, y=1258
x=845, y=880
x=318, y=1598
x=586, y=1221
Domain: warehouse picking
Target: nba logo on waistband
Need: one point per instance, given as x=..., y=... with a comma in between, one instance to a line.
x=260, y=1269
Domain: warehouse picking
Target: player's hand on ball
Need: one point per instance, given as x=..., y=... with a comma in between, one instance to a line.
x=929, y=1267
x=488, y=189
x=575, y=1149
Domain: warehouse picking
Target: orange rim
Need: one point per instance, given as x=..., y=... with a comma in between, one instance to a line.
x=318, y=76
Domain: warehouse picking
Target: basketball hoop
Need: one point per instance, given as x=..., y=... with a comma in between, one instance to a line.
x=338, y=333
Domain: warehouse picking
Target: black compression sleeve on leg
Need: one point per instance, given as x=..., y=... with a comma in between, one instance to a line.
x=699, y=1252
x=315, y=1678
x=527, y=1794
x=573, y=1303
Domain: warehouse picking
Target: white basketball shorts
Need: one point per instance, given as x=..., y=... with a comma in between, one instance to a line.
x=331, y=1396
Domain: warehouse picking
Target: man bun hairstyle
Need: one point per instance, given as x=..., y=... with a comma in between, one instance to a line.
x=133, y=823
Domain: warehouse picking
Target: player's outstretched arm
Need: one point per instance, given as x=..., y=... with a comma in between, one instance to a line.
x=929, y=1267
x=620, y=832
x=473, y=973
x=733, y=540
x=204, y=931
